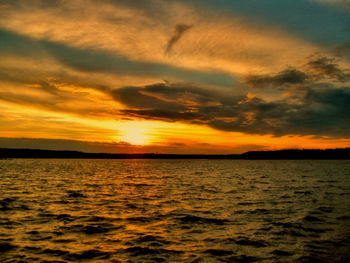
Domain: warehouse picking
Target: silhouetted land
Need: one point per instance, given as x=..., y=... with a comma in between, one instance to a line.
x=252, y=155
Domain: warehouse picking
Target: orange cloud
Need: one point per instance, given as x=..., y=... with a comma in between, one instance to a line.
x=228, y=44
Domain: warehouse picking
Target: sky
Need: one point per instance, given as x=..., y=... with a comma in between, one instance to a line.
x=194, y=76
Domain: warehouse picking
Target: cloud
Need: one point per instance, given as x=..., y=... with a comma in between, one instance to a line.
x=325, y=67
x=321, y=109
x=179, y=30
x=318, y=68
x=55, y=77
x=171, y=116
x=164, y=96
x=230, y=44
x=58, y=57
x=285, y=77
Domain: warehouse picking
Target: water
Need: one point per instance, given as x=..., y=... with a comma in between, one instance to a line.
x=174, y=211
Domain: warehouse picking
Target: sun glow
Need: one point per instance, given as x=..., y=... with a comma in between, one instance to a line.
x=136, y=136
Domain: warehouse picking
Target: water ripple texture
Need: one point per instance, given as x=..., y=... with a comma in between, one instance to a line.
x=174, y=211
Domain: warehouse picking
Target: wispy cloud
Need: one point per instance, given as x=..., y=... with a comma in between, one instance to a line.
x=179, y=30
x=227, y=43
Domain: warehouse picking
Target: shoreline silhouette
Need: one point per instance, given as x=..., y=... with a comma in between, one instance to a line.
x=288, y=154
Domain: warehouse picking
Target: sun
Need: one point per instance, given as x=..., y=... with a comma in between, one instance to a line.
x=136, y=136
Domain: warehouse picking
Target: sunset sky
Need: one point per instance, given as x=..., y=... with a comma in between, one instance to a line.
x=194, y=76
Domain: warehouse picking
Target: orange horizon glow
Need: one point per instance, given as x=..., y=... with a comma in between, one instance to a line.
x=132, y=136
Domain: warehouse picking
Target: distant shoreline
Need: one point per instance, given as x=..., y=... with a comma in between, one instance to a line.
x=328, y=154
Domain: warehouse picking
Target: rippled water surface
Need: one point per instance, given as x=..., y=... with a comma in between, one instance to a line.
x=174, y=211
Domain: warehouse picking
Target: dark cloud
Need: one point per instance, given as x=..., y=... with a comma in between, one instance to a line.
x=324, y=67
x=179, y=30
x=314, y=105
x=171, y=116
x=320, y=110
x=161, y=96
x=317, y=68
x=285, y=77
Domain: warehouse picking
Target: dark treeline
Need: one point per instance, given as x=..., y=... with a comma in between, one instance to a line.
x=298, y=154
x=252, y=155
x=36, y=153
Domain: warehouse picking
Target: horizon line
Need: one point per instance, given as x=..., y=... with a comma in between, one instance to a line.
x=331, y=153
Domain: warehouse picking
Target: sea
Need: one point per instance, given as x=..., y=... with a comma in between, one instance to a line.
x=81, y=210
